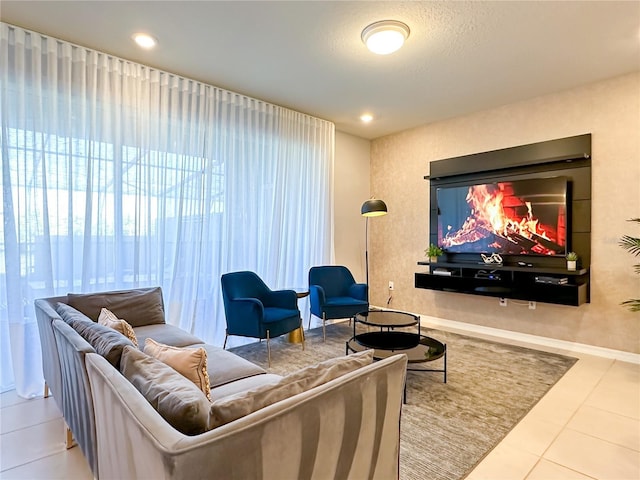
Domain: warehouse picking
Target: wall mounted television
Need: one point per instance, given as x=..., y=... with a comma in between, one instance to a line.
x=520, y=217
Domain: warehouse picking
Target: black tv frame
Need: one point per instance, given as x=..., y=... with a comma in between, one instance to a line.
x=567, y=157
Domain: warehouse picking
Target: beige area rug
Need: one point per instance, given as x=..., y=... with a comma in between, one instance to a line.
x=446, y=429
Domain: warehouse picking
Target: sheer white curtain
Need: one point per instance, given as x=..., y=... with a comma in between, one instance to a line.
x=116, y=175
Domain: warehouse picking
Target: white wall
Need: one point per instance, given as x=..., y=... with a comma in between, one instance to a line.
x=351, y=189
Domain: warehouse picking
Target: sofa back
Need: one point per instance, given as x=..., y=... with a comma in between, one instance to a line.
x=346, y=428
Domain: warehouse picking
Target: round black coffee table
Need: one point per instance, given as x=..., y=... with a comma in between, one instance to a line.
x=387, y=341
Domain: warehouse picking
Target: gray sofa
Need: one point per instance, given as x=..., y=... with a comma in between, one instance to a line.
x=346, y=427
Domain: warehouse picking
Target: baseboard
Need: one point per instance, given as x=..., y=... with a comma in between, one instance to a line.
x=534, y=340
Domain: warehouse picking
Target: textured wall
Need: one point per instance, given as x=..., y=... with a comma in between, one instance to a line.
x=610, y=111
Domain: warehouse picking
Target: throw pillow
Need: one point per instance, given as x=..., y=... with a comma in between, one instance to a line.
x=106, y=341
x=175, y=398
x=188, y=361
x=140, y=306
x=108, y=319
x=231, y=408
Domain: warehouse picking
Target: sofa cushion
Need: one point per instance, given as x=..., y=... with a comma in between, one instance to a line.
x=167, y=334
x=142, y=306
x=191, y=362
x=108, y=319
x=226, y=367
x=106, y=341
x=236, y=406
x=175, y=398
x=243, y=385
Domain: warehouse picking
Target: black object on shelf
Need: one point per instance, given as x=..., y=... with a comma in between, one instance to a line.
x=546, y=285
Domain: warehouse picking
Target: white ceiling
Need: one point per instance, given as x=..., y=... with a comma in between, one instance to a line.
x=460, y=56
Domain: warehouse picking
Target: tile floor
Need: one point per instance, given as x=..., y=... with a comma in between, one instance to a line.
x=586, y=427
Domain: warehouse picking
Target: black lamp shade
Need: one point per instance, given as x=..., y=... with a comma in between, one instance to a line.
x=373, y=208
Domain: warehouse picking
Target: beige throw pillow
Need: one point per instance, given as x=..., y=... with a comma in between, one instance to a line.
x=108, y=319
x=235, y=406
x=189, y=361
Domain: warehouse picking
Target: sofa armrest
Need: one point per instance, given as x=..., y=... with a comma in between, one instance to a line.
x=45, y=315
x=366, y=443
x=77, y=403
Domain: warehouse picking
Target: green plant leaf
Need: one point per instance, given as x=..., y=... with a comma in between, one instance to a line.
x=631, y=244
x=634, y=305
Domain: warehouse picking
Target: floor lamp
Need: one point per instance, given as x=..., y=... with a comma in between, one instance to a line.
x=371, y=208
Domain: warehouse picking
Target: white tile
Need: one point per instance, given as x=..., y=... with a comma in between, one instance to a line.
x=558, y=405
x=533, y=434
x=69, y=464
x=546, y=470
x=594, y=457
x=505, y=462
x=619, y=390
x=32, y=443
x=31, y=412
x=11, y=397
x=613, y=428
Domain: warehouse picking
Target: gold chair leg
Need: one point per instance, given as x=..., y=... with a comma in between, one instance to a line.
x=68, y=441
x=268, y=349
x=302, y=333
x=46, y=390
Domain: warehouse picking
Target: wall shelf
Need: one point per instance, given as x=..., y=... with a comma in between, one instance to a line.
x=515, y=282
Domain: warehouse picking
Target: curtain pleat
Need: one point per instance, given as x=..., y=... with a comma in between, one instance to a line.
x=116, y=175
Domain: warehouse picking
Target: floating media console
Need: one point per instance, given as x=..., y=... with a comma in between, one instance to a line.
x=547, y=285
x=529, y=204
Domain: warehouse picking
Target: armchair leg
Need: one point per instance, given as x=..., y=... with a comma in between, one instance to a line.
x=46, y=390
x=268, y=349
x=324, y=330
x=302, y=333
x=224, y=346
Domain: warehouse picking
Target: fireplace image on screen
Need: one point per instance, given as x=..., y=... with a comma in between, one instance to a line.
x=521, y=217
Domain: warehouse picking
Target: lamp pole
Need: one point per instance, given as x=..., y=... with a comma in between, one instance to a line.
x=366, y=248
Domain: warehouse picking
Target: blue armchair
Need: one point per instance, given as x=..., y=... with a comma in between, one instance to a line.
x=334, y=293
x=254, y=310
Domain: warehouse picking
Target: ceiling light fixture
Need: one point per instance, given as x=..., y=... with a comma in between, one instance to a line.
x=366, y=118
x=385, y=37
x=144, y=40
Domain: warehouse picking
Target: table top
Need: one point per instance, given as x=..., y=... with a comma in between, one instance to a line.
x=300, y=292
x=387, y=318
x=427, y=350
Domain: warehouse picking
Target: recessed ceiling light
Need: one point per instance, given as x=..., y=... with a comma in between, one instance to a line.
x=144, y=40
x=385, y=37
x=366, y=118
